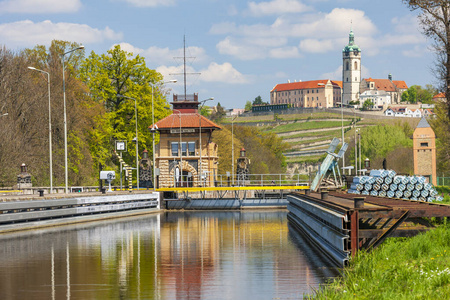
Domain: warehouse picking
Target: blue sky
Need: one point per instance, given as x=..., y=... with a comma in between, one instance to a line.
x=242, y=48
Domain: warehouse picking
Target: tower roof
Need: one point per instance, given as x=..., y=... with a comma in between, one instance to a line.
x=351, y=46
x=423, y=123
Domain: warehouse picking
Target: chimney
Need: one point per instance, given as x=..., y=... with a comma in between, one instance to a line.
x=390, y=76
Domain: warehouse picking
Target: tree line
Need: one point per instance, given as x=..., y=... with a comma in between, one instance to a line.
x=101, y=94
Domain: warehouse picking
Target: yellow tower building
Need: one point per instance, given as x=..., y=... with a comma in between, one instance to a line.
x=424, y=147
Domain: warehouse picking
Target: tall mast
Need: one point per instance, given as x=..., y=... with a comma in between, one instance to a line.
x=184, y=64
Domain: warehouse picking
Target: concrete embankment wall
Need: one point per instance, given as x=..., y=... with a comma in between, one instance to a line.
x=21, y=213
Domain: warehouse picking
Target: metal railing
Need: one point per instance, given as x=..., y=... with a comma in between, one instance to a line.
x=262, y=180
x=443, y=181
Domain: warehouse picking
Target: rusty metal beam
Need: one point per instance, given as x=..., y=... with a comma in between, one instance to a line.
x=400, y=232
x=354, y=231
x=389, y=231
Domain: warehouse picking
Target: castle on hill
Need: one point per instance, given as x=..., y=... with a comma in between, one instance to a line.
x=351, y=90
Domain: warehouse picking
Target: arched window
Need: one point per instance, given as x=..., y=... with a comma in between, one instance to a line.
x=347, y=66
x=356, y=65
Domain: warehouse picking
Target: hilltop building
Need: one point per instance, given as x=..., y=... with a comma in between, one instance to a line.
x=351, y=70
x=185, y=155
x=394, y=88
x=331, y=93
x=315, y=93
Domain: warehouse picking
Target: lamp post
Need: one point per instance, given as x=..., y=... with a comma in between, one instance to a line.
x=232, y=150
x=49, y=127
x=153, y=133
x=137, y=140
x=65, y=119
x=181, y=150
x=200, y=135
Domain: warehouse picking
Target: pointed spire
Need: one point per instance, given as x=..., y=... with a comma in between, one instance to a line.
x=423, y=123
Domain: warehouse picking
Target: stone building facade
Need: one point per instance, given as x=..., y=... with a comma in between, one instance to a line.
x=314, y=93
x=185, y=155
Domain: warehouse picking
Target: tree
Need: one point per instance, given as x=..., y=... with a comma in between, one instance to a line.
x=218, y=114
x=248, y=106
x=405, y=96
x=258, y=101
x=117, y=80
x=205, y=111
x=24, y=135
x=368, y=104
x=434, y=19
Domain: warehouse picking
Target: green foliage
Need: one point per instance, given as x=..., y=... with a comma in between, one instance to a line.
x=310, y=124
x=205, y=111
x=265, y=150
x=378, y=141
x=248, y=106
x=414, y=268
x=218, y=114
x=441, y=127
x=368, y=104
x=122, y=82
x=416, y=93
x=258, y=101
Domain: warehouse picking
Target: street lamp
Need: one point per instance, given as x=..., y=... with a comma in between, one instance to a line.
x=153, y=133
x=200, y=135
x=65, y=119
x=232, y=150
x=49, y=127
x=181, y=150
x=137, y=140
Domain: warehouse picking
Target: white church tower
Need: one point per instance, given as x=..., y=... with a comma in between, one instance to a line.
x=351, y=70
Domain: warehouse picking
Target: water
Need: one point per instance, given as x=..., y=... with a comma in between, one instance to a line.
x=173, y=255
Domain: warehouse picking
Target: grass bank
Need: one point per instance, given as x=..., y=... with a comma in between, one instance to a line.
x=409, y=268
x=308, y=125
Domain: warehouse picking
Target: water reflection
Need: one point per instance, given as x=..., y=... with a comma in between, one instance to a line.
x=175, y=255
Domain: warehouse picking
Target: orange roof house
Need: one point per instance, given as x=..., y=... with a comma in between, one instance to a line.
x=185, y=155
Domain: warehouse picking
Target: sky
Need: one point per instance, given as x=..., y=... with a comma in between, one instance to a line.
x=236, y=50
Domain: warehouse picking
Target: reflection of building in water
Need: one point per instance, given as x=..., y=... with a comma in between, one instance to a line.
x=197, y=248
x=188, y=252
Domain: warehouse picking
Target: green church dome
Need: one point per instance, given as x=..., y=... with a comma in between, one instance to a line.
x=351, y=47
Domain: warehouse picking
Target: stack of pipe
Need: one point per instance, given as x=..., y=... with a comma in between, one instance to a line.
x=386, y=183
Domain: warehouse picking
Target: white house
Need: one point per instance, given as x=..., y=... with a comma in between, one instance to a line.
x=395, y=111
x=413, y=113
x=378, y=98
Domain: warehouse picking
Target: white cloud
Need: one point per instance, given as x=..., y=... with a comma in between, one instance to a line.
x=285, y=52
x=161, y=56
x=277, y=7
x=27, y=33
x=316, y=46
x=39, y=6
x=337, y=73
x=316, y=33
x=240, y=49
x=334, y=75
x=416, y=51
x=150, y=3
x=224, y=73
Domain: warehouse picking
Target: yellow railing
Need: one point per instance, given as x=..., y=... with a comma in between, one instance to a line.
x=232, y=188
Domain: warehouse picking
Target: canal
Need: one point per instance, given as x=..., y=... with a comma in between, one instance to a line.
x=169, y=255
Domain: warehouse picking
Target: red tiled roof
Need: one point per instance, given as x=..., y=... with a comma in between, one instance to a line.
x=312, y=84
x=187, y=121
x=387, y=85
x=440, y=95
x=400, y=84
